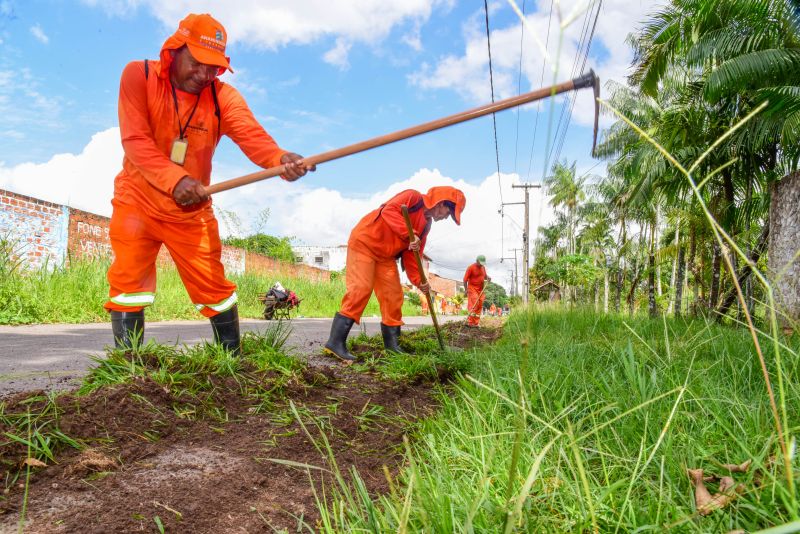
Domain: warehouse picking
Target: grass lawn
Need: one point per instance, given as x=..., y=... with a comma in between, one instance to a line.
x=579, y=422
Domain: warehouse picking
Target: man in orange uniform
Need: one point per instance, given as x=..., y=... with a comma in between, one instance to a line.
x=375, y=244
x=474, y=279
x=172, y=113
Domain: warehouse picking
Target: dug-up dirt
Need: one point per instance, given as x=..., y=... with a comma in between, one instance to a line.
x=144, y=468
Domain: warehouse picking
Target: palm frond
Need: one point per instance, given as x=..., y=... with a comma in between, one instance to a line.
x=764, y=68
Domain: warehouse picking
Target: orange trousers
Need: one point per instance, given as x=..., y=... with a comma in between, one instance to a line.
x=195, y=248
x=474, y=305
x=365, y=274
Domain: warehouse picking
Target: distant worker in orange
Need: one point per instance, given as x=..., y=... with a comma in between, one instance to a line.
x=375, y=244
x=424, y=305
x=493, y=310
x=475, y=279
x=172, y=113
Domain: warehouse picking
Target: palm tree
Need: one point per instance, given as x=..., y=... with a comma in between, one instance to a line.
x=566, y=190
x=595, y=239
x=738, y=55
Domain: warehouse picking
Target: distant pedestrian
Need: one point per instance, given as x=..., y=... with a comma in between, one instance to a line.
x=475, y=280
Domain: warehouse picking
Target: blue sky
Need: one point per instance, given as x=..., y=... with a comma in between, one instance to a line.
x=319, y=74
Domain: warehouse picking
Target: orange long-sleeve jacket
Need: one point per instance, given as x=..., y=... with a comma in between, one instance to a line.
x=475, y=276
x=149, y=126
x=382, y=233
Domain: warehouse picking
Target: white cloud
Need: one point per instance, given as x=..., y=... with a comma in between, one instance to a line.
x=337, y=56
x=39, y=34
x=84, y=181
x=468, y=73
x=311, y=215
x=274, y=23
x=413, y=38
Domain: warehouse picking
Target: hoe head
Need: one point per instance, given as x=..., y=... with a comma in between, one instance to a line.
x=590, y=79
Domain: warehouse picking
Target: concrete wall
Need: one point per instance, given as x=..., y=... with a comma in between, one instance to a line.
x=36, y=229
x=46, y=232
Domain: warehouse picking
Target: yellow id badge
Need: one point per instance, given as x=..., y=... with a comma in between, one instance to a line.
x=178, y=152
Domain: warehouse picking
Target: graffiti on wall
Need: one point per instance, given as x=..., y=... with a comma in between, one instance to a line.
x=88, y=236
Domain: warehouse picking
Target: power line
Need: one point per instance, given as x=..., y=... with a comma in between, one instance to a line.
x=560, y=143
x=541, y=83
x=494, y=119
x=583, y=66
x=563, y=133
x=551, y=149
x=519, y=82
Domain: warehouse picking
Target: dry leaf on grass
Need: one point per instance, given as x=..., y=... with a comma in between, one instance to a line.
x=33, y=462
x=741, y=468
x=707, y=503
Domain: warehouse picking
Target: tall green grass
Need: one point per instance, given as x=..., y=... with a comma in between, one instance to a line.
x=580, y=422
x=76, y=294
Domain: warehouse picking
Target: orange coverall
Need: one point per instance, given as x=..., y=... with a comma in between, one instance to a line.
x=474, y=278
x=376, y=242
x=145, y=214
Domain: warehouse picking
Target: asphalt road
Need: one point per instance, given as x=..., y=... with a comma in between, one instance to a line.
x=57, y=356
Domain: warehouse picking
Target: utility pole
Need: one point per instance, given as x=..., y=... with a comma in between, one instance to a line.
x=516, y=272
x=515, y=286
x=526, y=241
x=515, y=278
x=513, y=273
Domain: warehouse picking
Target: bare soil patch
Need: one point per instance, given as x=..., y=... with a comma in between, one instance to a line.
x=142, y=464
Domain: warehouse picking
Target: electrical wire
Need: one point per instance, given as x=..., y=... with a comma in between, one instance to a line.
x=541, y=83
x=558, y=131
x=494, y=119
x=519, y=83
x=583, y=67
x=575, y=71
x=560, y=142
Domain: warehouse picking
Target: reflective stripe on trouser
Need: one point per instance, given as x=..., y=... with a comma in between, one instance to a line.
x=220, y=307
x=133, y=299
x=474, y=305
x=195, y=248
x=365, y=274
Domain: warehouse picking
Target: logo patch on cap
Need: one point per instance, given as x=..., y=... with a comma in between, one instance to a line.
x=219, y=35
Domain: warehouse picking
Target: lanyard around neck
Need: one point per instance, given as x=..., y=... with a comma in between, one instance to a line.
x=182, y=129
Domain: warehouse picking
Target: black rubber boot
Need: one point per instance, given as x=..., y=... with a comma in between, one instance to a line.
x=391, y=336
x=128, y=327
x=226, y=330
x=337, y=342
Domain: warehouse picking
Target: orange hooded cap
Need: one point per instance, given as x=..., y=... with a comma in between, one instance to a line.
x=445, y=193
x=206, y=39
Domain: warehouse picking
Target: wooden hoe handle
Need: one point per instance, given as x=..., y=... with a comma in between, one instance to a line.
x=422, y=276
x=587, y=80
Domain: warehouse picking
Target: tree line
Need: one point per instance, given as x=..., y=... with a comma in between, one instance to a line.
x=713, y=81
